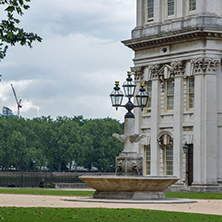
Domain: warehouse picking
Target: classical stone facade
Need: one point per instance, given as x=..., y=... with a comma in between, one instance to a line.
x=178, y=51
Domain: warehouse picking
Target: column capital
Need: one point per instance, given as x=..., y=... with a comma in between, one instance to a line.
x=155, y=71
x=203, y=65
x=138, y=72
x=178, y=68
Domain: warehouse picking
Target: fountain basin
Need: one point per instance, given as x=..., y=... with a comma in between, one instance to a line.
x=129, y=187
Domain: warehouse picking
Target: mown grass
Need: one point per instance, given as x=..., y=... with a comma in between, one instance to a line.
x=46, y=192
x=215, y=196
x=207, y=196
x=14, y=214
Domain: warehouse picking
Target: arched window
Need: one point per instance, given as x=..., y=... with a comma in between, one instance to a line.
x=165, y=140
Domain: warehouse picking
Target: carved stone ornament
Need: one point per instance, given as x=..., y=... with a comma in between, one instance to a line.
x=203, y=65
x=165, y=138
x=132, y=138
x=167, y=71
x=178, y=68
x=155, y=71
x=138, y=72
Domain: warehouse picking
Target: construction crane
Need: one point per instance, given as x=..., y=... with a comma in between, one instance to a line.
x=18, y=102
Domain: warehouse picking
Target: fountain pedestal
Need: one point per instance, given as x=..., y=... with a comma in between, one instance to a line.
x=129, y=164
x=128, y=183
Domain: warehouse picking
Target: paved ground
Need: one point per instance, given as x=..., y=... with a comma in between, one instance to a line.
x=17, y=200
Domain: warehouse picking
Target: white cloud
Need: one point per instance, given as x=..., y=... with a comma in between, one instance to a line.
x=73, y=70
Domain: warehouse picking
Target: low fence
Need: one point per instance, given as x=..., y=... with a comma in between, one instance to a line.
x=32, y=179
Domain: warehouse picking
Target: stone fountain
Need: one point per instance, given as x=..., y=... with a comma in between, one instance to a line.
x=129, y=182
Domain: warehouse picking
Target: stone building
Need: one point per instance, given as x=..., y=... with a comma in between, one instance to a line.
x=178, y=51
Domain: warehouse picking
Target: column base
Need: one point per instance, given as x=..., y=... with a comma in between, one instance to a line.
x=205, y=188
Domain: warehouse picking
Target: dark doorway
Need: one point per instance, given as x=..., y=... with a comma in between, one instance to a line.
x=189, y=165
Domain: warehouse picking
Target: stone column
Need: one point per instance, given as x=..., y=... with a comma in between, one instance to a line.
x=139, y=18
x=155, y=115
x=180, y=8
x=137, y=71
x=178, y=72
x=205, y=123
x=157, y=11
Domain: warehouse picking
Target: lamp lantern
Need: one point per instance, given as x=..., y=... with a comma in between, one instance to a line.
x=186, y=148
x=116, y=96
x=129, y=91
x=129, y=86
x=142, y=97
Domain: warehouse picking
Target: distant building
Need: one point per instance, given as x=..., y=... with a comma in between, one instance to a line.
x=6, y=111
x=178, y=51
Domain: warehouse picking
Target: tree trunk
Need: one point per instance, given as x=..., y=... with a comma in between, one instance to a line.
x=76, y=165
x=59, y=163
x=70, y=166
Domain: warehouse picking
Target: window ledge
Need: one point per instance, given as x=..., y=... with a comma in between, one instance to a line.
x=167, y=114
x=146, y=114
x=188, y=112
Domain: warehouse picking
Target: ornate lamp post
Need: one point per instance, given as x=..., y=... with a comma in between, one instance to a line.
x=129, y=162
x=129, y=91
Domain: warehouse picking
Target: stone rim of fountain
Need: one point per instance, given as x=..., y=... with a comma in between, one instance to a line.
x=129, y=187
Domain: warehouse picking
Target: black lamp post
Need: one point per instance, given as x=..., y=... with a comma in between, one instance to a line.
x=129, y=91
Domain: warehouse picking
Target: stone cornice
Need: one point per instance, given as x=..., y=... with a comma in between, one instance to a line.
x=171, y=37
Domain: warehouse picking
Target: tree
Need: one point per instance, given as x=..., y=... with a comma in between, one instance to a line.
x=63, y=141
x=17, y=143
x=100, y=148
x=29, y=144
x=10, y=33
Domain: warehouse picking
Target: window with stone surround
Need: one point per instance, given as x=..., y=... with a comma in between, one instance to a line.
x=148, y=159
x=190, y=93
x=168, y=160
x=170, y=7
x=192, y=5
x=149, y=91
x=150, y=10
x=169, y=95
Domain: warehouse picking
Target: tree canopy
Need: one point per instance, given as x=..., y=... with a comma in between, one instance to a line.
x=44, y=143
x=10, y=31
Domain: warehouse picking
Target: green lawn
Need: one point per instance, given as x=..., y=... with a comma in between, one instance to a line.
x=211, y=196
x=99, y=214
x=46, y=192
x=90, y=193
x=14, y=214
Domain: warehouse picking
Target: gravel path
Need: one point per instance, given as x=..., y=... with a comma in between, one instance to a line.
x=18, y=200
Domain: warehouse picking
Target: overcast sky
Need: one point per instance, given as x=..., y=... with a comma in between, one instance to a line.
x=73, y=70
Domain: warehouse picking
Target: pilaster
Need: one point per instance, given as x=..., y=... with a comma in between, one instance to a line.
x=139, y=14
x=205, y=121
x=155, y=115
x=178, y=70
x=137, y=71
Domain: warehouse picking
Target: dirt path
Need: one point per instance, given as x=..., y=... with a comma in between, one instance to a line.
x=17, y=200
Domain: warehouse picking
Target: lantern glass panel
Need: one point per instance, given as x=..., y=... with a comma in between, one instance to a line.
x=142, y=99
x=116, y=97
x=129, y=88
